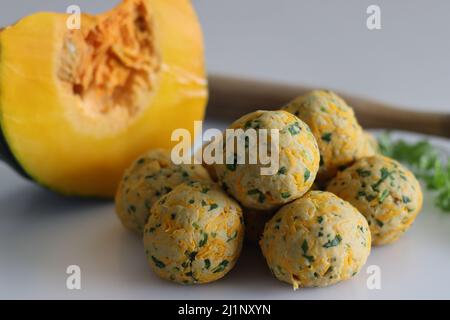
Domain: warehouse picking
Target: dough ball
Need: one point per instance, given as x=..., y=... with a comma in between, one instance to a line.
x=298, y=162
x=340, y=138
x=255, y=221
x=315, y=241
x=194, y=234
x=384, y=191
x=371, y=146
x=145, y=181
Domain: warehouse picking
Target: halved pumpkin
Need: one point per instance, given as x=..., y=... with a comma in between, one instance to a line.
x=77, y=106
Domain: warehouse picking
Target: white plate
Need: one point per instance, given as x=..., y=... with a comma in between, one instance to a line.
x=41, y=234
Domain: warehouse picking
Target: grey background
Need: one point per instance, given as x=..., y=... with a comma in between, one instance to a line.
x=321, y=43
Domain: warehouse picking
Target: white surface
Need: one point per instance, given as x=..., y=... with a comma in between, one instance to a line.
x=41, y=234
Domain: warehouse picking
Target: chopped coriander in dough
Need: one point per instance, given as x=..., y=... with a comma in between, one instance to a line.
x=145, y=181
x=385, y=192
x=315, y=241
x=340, y=138
x=298, y=163
x=194, y=234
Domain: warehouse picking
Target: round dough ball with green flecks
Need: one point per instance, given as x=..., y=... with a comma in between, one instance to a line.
x=194, y=234
x=294, y=163
x=340, y=138
x=371, y=145
x=316, y=241
x=384, y=191
x=146, y=180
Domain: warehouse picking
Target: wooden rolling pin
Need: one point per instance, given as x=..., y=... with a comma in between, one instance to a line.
x=232, y=97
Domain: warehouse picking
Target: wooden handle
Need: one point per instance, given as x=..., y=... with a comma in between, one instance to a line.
x=232, y=97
